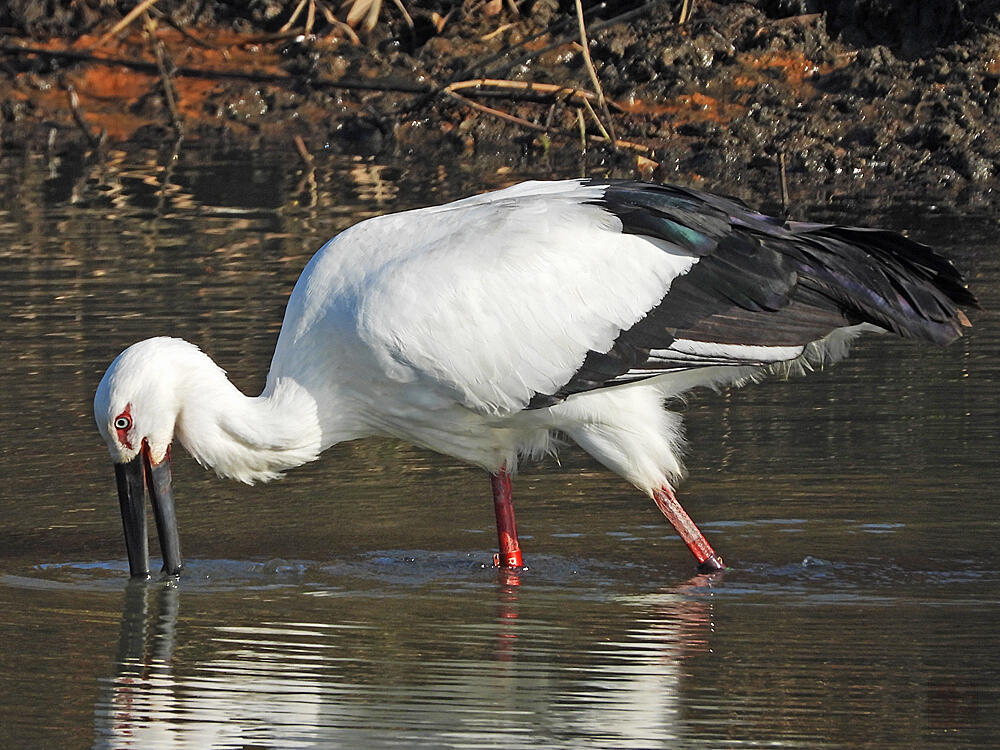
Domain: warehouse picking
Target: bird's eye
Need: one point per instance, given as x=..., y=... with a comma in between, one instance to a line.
x=123, y=422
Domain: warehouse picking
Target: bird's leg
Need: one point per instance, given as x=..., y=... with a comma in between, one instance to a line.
x=708, y=560
x=510, y=550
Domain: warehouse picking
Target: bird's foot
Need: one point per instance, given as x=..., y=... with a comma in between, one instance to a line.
x=512, y=559
x=711, y=564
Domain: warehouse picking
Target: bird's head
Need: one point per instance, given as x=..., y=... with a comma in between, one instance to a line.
x=136, y=408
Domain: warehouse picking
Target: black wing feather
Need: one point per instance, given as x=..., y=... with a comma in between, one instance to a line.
x=762, y=282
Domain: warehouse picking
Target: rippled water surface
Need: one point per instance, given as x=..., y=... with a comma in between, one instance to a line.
x=353, y=604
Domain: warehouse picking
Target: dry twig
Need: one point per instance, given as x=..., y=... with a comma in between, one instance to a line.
x=74, y=105
x=600, y=125
x=339, y=25
x=496, y=112
x=784, y=184
x=363, y=13
x=619, y=143
x=687, y=7
x=406, y=14
x=133, y=14
x=497, y=31
x=593, y=74
x=294, y=17
x=169, y=90
x=522, y=86
x=169, y=20
x=304, y=154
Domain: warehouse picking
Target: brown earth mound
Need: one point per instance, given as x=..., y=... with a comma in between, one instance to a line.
x=840, y=95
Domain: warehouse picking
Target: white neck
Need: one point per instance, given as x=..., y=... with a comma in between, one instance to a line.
x=246, y=438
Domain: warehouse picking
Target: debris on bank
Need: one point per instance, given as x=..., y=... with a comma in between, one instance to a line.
x=843, y=95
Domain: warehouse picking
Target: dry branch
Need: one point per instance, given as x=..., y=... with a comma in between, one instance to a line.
x=169, y=90
x=618, y=143
x=496, y=112
x=608, y=130
x=74, y=106
x=133, y=14
x=549, y=89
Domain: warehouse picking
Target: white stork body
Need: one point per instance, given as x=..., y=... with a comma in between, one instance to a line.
x=484, y=328
x=438, y=326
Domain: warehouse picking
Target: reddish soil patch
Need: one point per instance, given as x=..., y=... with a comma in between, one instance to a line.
x=729, y=93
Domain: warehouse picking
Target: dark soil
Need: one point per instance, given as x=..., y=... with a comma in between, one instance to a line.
x=882, y=97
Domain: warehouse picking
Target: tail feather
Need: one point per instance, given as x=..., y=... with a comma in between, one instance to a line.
x=885, y=278
x=761, y=283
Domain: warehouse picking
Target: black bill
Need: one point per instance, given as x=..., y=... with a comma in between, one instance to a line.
x=136, y=479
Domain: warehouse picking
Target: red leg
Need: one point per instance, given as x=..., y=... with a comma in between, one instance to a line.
x=510, y=550
x=708, y=561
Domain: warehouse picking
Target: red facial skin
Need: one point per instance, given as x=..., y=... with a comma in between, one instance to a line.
x=123, y=431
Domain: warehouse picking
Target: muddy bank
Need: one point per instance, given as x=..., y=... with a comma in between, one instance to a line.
x=881, y=97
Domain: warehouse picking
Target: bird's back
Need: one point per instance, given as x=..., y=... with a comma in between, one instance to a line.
x=522, y=297
x=485, y=301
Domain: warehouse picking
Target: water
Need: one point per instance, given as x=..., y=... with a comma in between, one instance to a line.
x=352, y=604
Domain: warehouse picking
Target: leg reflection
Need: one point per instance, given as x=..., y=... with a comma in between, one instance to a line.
x=143, y=681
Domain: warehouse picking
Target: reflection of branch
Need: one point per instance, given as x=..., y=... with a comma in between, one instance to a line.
x=168, y=173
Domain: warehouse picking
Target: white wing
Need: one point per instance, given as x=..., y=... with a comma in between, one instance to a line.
x=488, y=300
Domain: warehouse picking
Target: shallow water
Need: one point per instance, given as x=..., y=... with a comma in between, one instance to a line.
x=353, y=604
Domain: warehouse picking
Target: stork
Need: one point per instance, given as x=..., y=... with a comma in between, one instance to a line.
x=490, y=328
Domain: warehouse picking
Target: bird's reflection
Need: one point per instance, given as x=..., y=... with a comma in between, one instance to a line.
x=220, y=701
x=144, y=663
x=508, y=581
x=611, y=666
x=138, y=633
